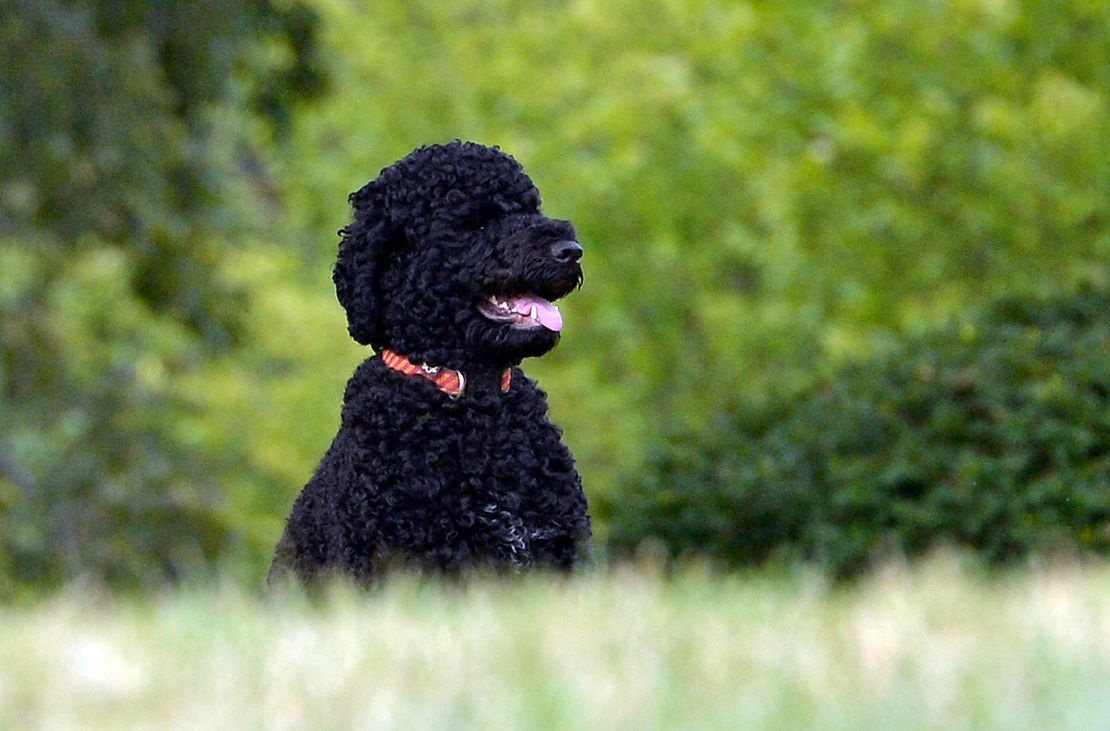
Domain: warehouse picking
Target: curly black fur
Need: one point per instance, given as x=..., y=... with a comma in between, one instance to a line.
x=415, y=477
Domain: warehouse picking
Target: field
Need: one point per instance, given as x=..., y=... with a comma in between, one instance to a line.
x=935, y=647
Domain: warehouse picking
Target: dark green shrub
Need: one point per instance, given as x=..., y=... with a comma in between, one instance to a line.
x=124, y=195
x=994, y=436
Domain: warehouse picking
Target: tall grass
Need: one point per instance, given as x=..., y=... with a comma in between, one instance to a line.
x=929, y=648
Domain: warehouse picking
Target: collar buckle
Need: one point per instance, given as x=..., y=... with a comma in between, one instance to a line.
x=448, y=380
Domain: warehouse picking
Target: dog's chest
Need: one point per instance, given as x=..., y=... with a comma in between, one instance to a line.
x=512, y=474
x=485, y=475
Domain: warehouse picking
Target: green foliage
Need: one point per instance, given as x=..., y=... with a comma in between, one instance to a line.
x=993, y=436
x=761, y=188
x=117, y=211
x=764, y=190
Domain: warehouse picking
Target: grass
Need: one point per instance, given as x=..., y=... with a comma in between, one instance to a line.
x=934, y=647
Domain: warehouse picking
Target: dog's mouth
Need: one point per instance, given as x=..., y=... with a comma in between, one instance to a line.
x=522, y=311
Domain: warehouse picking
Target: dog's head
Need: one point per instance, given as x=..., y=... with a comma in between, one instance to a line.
x=449, y=261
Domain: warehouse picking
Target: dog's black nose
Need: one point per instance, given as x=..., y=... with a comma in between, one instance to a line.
x=566, y=251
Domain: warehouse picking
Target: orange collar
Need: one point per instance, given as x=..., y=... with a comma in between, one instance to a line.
x=450, y=381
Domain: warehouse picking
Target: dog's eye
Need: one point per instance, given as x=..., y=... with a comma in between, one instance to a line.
x=483, y=216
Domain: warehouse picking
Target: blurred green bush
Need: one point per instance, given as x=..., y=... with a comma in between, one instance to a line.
x=764, y=191
x=120, y=198
x=993, y=436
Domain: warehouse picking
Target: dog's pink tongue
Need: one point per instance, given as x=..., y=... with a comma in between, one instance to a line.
x=547, y=313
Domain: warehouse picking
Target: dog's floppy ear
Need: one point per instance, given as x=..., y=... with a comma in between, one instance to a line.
x=363, y=250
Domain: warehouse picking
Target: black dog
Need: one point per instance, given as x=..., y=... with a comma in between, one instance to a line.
x=445, y=458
